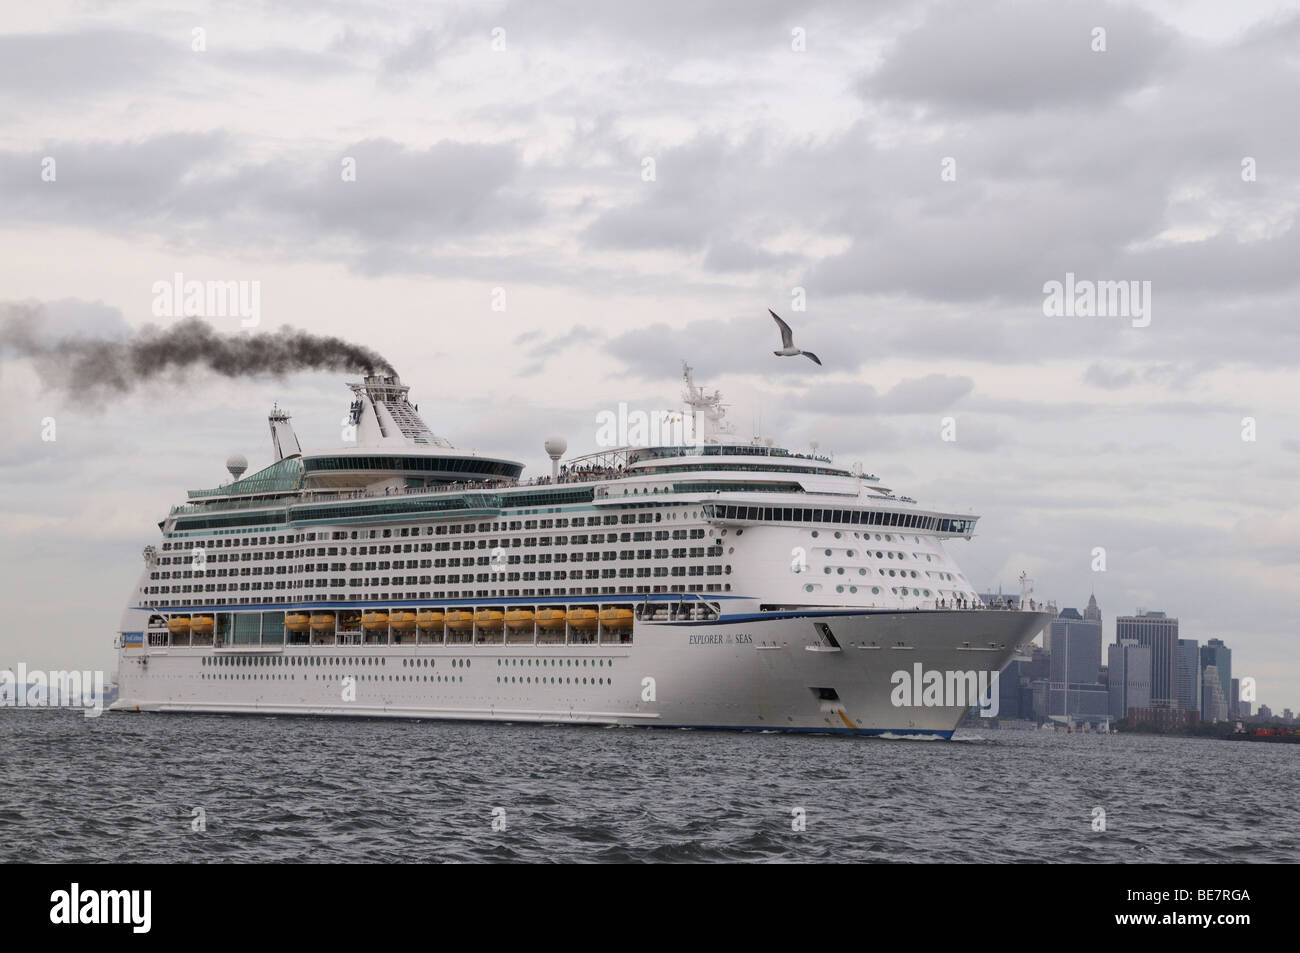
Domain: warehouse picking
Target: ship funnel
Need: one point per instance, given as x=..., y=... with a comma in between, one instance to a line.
x=282, y=435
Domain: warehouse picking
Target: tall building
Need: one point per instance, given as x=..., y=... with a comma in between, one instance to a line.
x=1265, y=713
x=1075, y=646
x=1187, y=675
x=1214, y=706
x=1234, y=703
x=1215, y=653
x=1160, y=634
x=1092, y=613
x=1130, y=677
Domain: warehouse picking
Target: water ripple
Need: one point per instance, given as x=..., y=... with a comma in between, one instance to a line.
x=126, y=788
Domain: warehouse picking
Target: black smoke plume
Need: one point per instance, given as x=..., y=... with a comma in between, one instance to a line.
x=85, y=365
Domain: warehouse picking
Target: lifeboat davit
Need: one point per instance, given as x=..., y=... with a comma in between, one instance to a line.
x=583, y=618
x=402, y=621
x=297, y=622
x=616, y=618
x=323, y=622
x=520, y=618
x=459, y=620
x=551, y=618
x=491, y=619
x=374, y=620
x=178, y=624
x=430, y=619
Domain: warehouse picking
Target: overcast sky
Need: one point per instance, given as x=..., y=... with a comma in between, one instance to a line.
x=775, y=168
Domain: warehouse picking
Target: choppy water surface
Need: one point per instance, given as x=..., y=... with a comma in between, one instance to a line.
x=124, y=788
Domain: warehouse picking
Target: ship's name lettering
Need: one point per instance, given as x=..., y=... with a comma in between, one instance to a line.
x=715, y=638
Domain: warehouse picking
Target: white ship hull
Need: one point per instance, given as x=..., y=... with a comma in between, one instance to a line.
x=827, y=672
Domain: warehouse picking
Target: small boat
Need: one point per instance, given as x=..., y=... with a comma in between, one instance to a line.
x=402, y=621
x=322, y=622
x=616, y=618
x=459, y=620
x=519, y=619
x=297, y=621
x=373, y=621
x=201, y=625
x=178, y=624
x=551, y=619
x=430, y=619
x=583, y=618
x=490, y=619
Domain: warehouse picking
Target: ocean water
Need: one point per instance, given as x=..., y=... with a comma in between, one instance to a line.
x=131, y=787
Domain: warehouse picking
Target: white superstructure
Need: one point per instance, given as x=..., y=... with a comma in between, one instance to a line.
x=714, y=584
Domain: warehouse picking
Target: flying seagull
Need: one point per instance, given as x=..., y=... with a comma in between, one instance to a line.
x=787, y=340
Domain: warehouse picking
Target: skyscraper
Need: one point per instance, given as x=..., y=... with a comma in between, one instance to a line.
x=1075, y=644
x=1160, y=634
x=1092, y=613
x=1130, y=677
x=1187, y=675
x=1214, y=707
x=1215, y=653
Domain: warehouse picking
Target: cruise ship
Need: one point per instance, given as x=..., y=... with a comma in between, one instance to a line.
x=711, y=583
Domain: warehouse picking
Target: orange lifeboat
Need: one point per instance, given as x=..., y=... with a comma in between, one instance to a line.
x=322, y=622
x=550, y=619
x=616, y=618
x=583, y=619
x=490, y=619
x=519, y=619
x=459, y=620
x=402, y=621
x=201, y=625
x=297, y=621
x=430, y=619
x=178, y=624
x=373, y=621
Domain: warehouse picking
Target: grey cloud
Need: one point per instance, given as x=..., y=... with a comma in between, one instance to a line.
x=1016, y=56
x=37, y=68
x=190, y=188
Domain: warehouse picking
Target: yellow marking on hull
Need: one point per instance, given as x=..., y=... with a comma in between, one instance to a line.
x=845, y=718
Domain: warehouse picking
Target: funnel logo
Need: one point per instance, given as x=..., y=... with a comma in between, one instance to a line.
x=949, y=689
